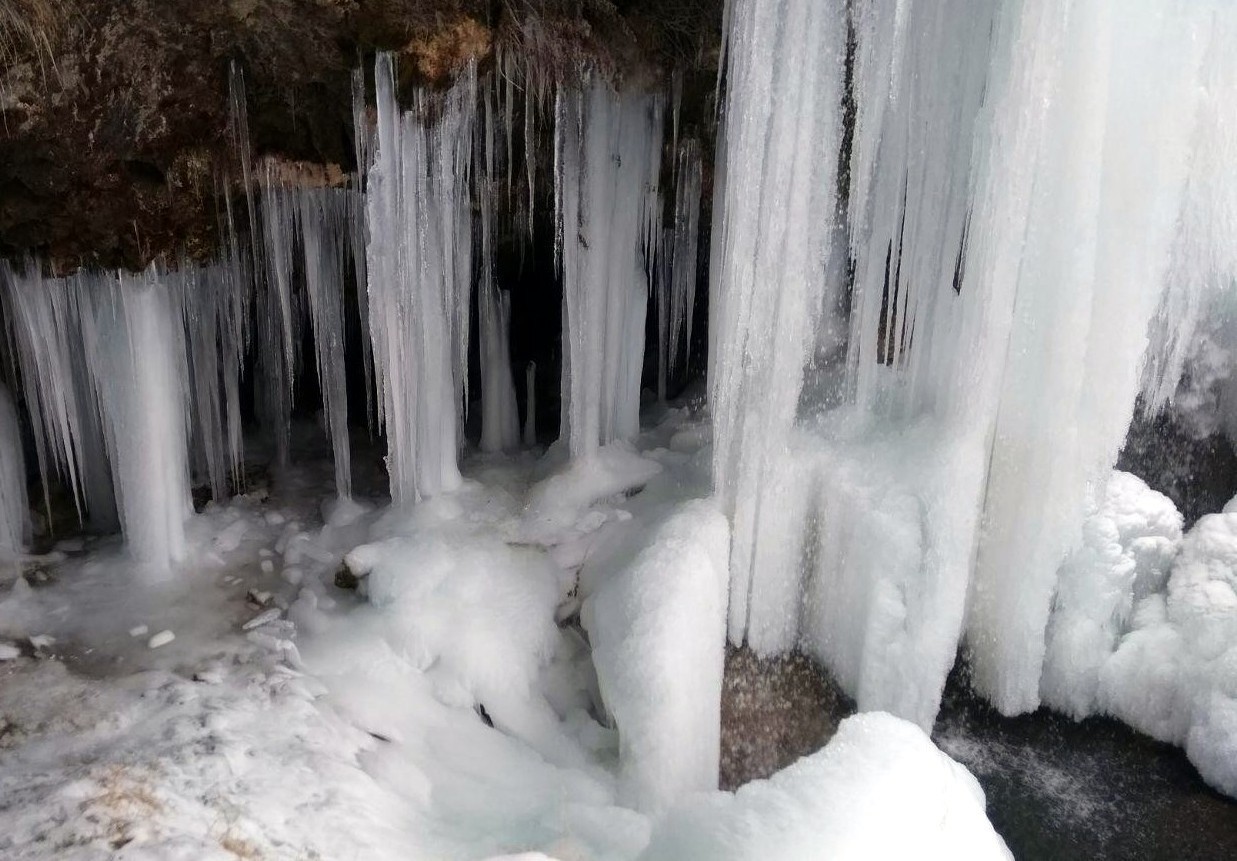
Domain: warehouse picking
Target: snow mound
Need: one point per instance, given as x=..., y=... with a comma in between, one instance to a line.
x=879, y=789
x=658, y=630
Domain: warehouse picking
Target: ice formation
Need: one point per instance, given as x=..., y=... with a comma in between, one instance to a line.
x=105, y=357
x=1128, y=548
x=14, y=513
x=1014, y=235
x=1144, y=626
x=500, y=416
x=133, y=336
x=328, y=235
x=658, y=632
x=607, y=154
x=419, y=263
x=678, y=267
x=879, y=789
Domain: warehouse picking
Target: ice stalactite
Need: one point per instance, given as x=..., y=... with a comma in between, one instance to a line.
x=676, y=288
x=1012, y=229
x=783, y=132
x=279, y=333
x=530, y=404
x=14, y=508
x=419, y=276
x=607, y=165
x=325, y=218
x=215, y=302
x=500, y=417
x=42, y=315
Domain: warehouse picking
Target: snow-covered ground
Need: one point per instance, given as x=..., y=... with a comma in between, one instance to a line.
x=451, y=707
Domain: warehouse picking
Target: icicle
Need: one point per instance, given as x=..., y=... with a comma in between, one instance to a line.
x=67, y=435
x=326, y=221
x=14, y=509
x=684, y=261
x=500, y=420
x=419, y=271
x=608, y=156
x=530, y=404
x=279, y=338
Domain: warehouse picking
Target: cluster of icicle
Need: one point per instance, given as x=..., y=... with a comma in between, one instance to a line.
x=133, y=382
x=1038, y=207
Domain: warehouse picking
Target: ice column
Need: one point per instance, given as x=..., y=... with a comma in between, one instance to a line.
x=783, y=131
x=1079, y=208
x=419, y=274
x=607, y=164
x=133, y=337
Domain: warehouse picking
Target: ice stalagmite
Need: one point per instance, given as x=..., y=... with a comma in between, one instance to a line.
x=607, y=163
x=14, y=509
x=419, y=273
x=132, y=334
x=783, y=130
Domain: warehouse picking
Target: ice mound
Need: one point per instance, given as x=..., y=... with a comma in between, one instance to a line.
x=470, y=605
x=1127, y=550
x=658, y=630
x=1144, y=626
x=879, y=789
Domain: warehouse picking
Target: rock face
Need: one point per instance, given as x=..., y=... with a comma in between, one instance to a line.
x=114, y=113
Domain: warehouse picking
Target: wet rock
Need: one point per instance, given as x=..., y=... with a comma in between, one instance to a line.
x=346, y=578
x=774, y=711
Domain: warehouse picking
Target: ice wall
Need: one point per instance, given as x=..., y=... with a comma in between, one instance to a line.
x=1012, y=229
x=14, y=509
x=607, y=166
x=419, y=261
x=779, y=160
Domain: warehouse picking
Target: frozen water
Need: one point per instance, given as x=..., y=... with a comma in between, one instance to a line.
x=908, y=463
x=607, y=166
x=1128, y=548
x=879, y=789
x=419, y=269
x=14, y=511
x=658, y=631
